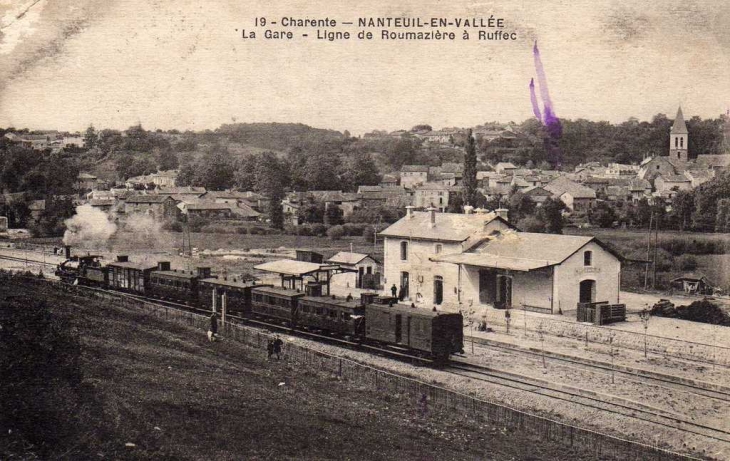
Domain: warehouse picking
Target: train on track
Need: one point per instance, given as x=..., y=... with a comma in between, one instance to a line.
x=371, y=319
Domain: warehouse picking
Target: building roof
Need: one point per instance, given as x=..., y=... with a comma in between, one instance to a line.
x=388, y=179
x=679, y=127
x=133, y=265
x=231, y=282
x=537, y=190
x=147, y=198
x=345, y=257
x=450, y=227
x=86, y=176
x=505, y=165
x=674, y=178
x=431, y=186
x=415, y=168
x=561, y=185
x=710, y=161
x=203, y=206
x=522, y=251
x=101, y=202
x=291, y=267
x=245, y=211
x=182, y=190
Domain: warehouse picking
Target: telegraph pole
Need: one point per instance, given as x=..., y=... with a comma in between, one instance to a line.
x=648, y=254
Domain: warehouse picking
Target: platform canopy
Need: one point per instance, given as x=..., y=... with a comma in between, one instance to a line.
x=494, y=262
x=295, y=268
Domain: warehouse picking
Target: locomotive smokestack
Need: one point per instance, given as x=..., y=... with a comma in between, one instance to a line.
x=68, y=251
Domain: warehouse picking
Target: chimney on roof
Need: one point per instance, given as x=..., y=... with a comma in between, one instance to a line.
x=468, y=209
x=409, y=211
x=480, y=210
x=432, y=216
x=502, y=213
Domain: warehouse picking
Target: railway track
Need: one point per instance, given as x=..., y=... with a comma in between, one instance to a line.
x=626, y=408
x=665, y=382
x=27, y=261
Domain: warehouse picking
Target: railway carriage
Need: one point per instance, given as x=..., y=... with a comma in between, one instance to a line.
x=233, y=296
x=435, y=333
x=333, y=315
x=175, y=285
x=128, y=276
x=278, y=303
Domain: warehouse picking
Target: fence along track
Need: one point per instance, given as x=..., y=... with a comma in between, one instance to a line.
x=483, y=411
x=620, y=406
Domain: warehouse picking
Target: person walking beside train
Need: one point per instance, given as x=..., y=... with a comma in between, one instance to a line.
x=213, y=331
x=277, y=347
x=270, y=348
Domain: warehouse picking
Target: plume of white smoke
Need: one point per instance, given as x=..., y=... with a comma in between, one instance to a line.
x=88, y=225
x=144, y=227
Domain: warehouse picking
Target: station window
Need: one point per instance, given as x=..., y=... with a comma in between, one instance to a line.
x=438, y=248
x=404, y=251
x=588, y=258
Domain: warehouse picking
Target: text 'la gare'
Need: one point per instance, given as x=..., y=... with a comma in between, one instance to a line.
x=321, y=34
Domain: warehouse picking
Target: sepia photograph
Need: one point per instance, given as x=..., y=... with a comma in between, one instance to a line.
x=387, y=230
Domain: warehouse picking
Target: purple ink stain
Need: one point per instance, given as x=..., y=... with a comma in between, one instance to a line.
x=533, y=100
x=553, y=128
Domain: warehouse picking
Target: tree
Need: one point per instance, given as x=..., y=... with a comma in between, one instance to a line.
x=682, y=207
x=312, y=212
x=360, y=171
x=602, y=215
x=215, y=172
x=333, y=215
x=470, y=171
x=270, y=178
x=166, y=159
x=531, y=224
x=90, y=137
x=520, y=206
x=551, y=213
x=421, y=127
x=722, y=222
x=245, y=175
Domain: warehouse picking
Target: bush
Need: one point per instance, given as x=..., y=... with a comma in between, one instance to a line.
x=172, y=226
x=336, y=232
x=686, y=262
x=354, y=230
x=319, y=230
x=304, y=230
x=196, y=223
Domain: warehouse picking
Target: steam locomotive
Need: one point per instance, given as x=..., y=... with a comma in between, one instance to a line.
x=371, y=319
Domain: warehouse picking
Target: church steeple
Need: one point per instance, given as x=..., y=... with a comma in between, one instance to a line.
x=678, y=139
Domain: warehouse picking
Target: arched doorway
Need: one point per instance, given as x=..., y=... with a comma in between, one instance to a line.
x=438, y=289
x=587, y=291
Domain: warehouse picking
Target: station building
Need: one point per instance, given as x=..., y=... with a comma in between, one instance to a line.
x=479, y=258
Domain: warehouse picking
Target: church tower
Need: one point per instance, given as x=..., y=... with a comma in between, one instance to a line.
x=678, y=137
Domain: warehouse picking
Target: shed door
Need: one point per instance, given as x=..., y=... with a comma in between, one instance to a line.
x=587, y=291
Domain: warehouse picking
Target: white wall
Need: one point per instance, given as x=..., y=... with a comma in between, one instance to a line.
x=605, y=270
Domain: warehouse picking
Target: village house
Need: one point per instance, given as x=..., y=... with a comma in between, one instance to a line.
x=86, y=181
x=472, y=259
x=505, y=168
x=413, y=175
x=389, y=181
x=206, y=209
x=103, y=204
x=537, y=194
x=672, y=182
x=158, y=206
x=365, y=270
x=697, y=177
x=575, y=196
x=432, y=195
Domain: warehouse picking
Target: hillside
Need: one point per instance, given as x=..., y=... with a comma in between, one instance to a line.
x=155, y=390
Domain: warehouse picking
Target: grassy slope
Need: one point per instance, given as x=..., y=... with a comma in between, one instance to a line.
x=166, y=389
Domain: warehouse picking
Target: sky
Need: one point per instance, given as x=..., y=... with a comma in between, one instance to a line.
x=182, y=64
